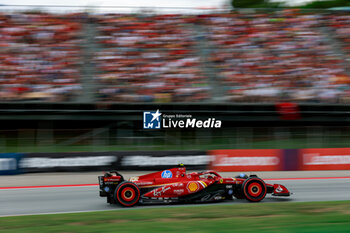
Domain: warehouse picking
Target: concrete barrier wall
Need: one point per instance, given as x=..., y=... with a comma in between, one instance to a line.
x=9, y=163
x=281, y=160
x=230, y=160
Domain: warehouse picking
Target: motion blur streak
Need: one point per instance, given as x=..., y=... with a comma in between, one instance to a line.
x=73, y=199
x=49, y=186
x=85, y=185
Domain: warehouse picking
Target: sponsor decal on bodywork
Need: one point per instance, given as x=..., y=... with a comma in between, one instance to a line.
x=192, y=186
x=203, y=184
x=158, y=192
x=142, y=183
x=134, y=178
x=179, y=184
x=167, y=174
x=279, y=189
x=179, y=191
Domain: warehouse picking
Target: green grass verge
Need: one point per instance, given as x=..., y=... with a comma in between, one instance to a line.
x=269, y=217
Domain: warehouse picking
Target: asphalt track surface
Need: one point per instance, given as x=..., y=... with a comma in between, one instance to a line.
x=81, y=198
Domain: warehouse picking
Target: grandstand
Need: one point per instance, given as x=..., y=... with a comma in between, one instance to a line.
x=236, y=57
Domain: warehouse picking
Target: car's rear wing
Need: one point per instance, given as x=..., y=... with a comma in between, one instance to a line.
x=108, y=182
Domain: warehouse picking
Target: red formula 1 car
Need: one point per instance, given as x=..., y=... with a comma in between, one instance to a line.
x=176, y=186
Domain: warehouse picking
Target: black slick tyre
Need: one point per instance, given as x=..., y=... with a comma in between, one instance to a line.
x=254, y=189
x=127, y=194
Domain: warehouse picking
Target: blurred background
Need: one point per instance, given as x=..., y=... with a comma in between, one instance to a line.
x=78, y=77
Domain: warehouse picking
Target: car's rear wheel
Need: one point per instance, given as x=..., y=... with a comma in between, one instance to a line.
x=127, y=194
x=254, y=189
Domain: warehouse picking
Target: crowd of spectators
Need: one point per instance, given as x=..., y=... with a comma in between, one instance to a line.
x=258, y=57
x=39, y=56
x=278, y=56
x=149, y=59
x=341, y=26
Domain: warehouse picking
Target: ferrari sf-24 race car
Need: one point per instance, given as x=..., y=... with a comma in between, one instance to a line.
x=176, y=186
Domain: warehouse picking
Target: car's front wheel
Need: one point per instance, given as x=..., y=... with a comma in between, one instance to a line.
x=254, y=189
x=127, y=194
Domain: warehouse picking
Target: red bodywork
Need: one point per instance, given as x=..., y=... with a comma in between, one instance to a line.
x=175, y=183
x=179, y=184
